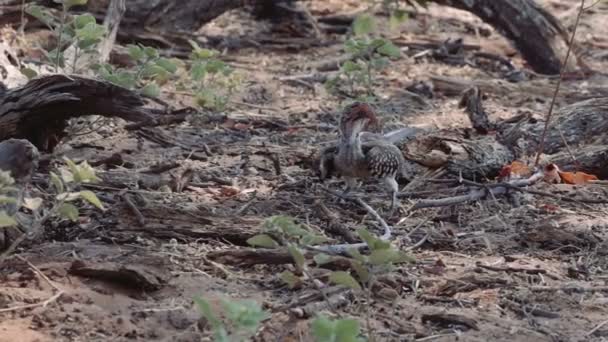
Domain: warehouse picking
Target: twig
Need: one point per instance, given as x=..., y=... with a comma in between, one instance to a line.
x=597, y=327
x=30, y=306
x=138, y=215
x=541, y=145
x=569, y=288
x=43, y=303
x=483, y=190
x=35, y=269
x=512, y=269
x=341, y=248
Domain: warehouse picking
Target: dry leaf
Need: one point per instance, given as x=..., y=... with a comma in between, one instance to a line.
x=576, y=177
x=515, y=170
x=551, y=174
x=32, y=203
x=229, y=191
x=520, y=169
x=242, y=126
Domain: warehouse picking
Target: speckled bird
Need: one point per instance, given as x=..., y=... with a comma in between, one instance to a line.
x=373, y=157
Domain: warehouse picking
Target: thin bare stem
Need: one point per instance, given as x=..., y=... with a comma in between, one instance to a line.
x=541, y=145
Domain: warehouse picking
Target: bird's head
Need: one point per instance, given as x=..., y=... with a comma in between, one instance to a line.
x=358, y=117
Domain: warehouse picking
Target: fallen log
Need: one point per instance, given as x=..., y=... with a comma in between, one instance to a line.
x=39, y=110
x=536, y=33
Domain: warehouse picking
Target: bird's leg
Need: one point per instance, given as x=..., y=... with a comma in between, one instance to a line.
x=393, y=188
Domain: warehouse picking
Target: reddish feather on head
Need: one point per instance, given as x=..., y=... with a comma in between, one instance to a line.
x=356, y=112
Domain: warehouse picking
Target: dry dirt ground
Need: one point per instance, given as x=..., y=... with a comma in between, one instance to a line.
x=488, y=263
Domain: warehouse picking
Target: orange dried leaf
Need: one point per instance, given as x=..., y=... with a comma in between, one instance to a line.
x=551, y=174
x=520, y=169
x=516, y=169
x=576, y=177
x=504, y=173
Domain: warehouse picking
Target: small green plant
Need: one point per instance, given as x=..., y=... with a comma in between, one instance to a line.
x=340, y=330
x=367, y=57
x=80, y=31
x=242, y=319
x=149, y=72
x=284, y=231
x=212, y=81
x=381, y=259
x=65, y=188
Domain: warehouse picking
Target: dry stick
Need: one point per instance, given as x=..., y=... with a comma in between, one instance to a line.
x=138, y=215
x=541, y=146
x=597, y=327
x=341, y=248
x=43, y=303
x=479, y=193
x=483, y=190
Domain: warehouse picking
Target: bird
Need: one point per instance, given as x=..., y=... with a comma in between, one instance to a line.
x=362, y=153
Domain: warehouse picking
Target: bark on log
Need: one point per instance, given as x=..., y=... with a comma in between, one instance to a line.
x=581, y=123
x=535, y=32
x=451, y=86
x=39, y=110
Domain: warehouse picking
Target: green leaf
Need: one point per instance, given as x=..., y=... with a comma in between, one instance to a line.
x=397, y=17
x=167, y=64
x=80, y=21
x=364, y=24
x=383, y=256
x=207, y=312
x=312, y=239
x=7, y=200
x=41, y=14
x=135, y=52
x=29, y=73
x=6, y=220
x=215, y=65
x=346, y=330
x=151, y=90
x=297, y=255
x=355, y=46
x=91, y=32
x=73, y=168
x=290, y=279
x=69, y=211
x=262, y=240
x=323, y=329
x=361, y=270
x=244, y=314
x=150, y=52
x=71, y=3
x=345, y=279
x=350, y=66
x=322, y=259
x=372, y=242
x=57, y=182
x=90, y=197
x=198, y=71
x=380, y=63
x=156, y=72
x=355, y=254
x=389, y=49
